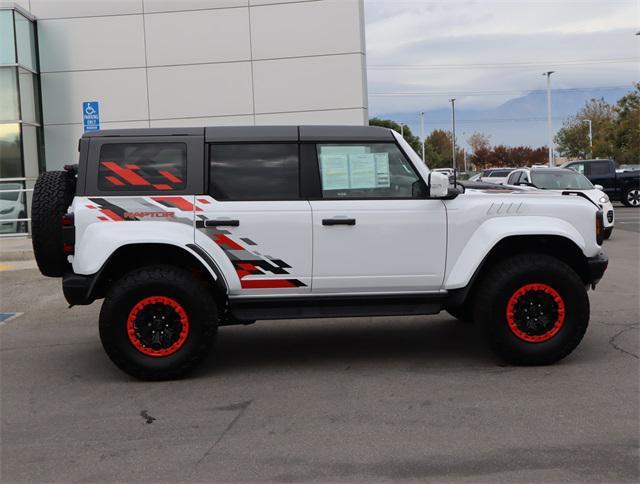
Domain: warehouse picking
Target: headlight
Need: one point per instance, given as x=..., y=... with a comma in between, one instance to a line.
x=604, y=199
x=6, y=211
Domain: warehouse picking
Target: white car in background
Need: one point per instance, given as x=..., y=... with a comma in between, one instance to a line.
x=495, y=175
x=12, y=207
x=561, y=180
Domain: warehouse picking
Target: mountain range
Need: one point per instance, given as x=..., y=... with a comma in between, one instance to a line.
x=518, y=121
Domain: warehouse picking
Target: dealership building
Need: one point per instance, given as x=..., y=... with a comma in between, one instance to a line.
x=67, y=66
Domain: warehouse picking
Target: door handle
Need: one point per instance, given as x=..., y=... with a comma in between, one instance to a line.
x=338, y=221
x=221, y=223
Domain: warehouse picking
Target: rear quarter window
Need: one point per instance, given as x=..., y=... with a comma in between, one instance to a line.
x=156, y=167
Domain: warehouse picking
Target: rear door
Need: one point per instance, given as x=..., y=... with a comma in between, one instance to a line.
x=374, y=230
x=253, y=220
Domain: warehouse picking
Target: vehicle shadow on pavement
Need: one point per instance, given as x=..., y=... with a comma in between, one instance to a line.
x=416, y=342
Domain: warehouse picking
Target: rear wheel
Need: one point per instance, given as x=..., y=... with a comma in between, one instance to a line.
x=158, y=322
x=533, y=308
x=607, y=232
x=462, y=313
x=631, y=197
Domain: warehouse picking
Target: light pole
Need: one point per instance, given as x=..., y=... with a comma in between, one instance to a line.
x=453, y=121
x=588, y=121
x=422, y=133
x=548, y=74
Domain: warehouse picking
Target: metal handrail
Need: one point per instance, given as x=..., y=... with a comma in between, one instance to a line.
x=15, y=220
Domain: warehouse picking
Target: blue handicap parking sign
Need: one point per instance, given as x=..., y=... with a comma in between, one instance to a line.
x=91, y=115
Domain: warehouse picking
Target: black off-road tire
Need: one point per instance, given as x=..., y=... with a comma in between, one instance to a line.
x=607, y=233
x=630, y=197
x=502, y=282
x=158, y=281
x=52, y=195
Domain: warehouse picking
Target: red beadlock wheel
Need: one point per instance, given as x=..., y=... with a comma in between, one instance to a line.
x=158, y=326
x=535, y=313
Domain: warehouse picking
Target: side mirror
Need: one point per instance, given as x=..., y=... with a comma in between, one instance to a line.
x=598, y=187
x=438, y=185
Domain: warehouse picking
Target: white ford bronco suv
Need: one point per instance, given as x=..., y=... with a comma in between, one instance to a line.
x=187, y=229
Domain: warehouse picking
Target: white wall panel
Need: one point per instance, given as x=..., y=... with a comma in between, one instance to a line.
x=305, y=84
x=306, y=28
x=210, y=36
x=83, y=8
x=91, y=43
x=173, y=5
x=197, y=122
x=339, y=116
x=202, y=90
x=272, y=2
x=121, y=93
x=61, y=146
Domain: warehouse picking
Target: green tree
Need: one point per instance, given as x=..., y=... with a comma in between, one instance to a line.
x=409, y=137
x=572, y=139
x=625, y=134
x=438, y=149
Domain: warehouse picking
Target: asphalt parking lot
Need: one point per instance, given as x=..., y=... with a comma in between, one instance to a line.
x=366, y=399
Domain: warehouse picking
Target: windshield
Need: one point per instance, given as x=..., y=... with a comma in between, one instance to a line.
x=560, y=180
x=499, y=173
x=9, y=196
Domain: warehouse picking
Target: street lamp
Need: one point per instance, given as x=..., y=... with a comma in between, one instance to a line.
x=588, y=121
x=422, y=133
x=453, y=120
x=548, y=74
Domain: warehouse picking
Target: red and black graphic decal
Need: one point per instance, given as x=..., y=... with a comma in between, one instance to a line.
x=109, y=211
x=249, y=263
x=177, y=202
x=131, y=176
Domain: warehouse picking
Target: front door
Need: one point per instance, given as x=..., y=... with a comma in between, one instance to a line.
x=253, y=221
x=374, y=231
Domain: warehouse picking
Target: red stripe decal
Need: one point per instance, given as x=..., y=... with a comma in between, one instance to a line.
x=178, y=202
x=222, y=239
x=129, y=175
x=265, y=283
x=204, y=200
x=171, y=177
x=132, y=167
x=114, y=180
x=111, y=215
x=163, y=186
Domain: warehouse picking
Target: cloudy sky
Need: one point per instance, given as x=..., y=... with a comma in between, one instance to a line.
x=587, y=42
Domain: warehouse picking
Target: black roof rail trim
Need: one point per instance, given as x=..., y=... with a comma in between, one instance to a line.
x=138, y=132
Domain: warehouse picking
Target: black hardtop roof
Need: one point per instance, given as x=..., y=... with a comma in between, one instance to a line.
x=230, y=134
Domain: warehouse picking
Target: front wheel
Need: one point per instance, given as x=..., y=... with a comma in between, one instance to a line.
x=533, y=308
x=631, y=197
x=158, y=322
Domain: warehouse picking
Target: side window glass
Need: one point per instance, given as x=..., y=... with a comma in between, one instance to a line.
x=514, y=178
x=366, y=170
x=156, y=167
x=579, y=167
x=600, y=168
x=254, y=171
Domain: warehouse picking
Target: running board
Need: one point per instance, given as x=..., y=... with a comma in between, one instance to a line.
x=334, y=306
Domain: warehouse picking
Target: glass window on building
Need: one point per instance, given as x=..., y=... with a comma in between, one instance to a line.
x=21, y=137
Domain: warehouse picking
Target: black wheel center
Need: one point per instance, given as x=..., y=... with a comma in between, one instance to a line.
x=157, y=326
x=535, y=313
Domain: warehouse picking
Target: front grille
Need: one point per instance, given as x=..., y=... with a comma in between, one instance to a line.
x=610, y=216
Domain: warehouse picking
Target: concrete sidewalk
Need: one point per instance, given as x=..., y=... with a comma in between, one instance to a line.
x=16, y=248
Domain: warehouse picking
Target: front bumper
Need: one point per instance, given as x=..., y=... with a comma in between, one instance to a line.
x=596, y=267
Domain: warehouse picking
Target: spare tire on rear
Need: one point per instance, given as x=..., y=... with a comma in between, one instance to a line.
x=52, y=195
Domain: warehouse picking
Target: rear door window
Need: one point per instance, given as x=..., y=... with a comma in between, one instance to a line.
x=599, y=168
x=254, y=171
x=155, y=167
